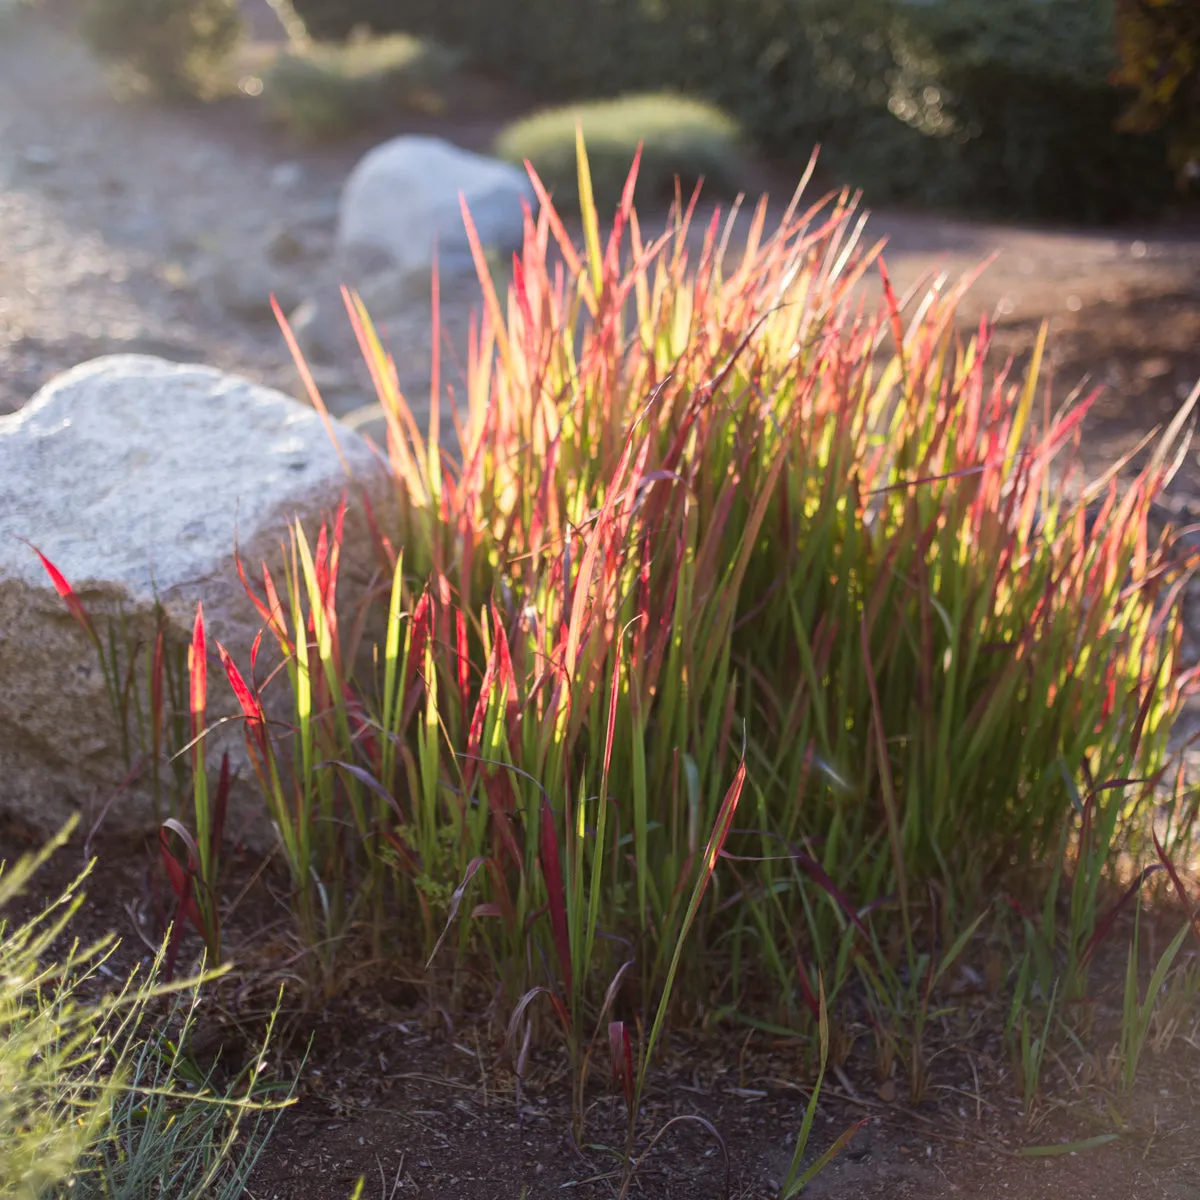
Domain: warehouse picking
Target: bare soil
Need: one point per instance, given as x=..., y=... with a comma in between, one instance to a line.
x=425, y=1104
x=111, y=216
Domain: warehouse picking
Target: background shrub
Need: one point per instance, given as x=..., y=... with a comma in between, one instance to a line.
x=1160, y=58
x=174, y=48
x=10, y=10
x=994, y=105
x=321, y=90
x=682, y=138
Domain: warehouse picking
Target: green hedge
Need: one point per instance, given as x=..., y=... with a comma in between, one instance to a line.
x=1002, y=106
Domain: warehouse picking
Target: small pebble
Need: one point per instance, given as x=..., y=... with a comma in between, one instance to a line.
x=41, y=158
x=287, y=176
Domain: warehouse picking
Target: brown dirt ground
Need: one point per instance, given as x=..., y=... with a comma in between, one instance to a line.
x=424, y=1107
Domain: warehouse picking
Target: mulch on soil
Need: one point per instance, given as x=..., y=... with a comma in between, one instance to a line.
x=424, y=1103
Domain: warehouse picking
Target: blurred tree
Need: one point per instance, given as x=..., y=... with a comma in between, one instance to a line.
x=176, y=49
x=1159, y=44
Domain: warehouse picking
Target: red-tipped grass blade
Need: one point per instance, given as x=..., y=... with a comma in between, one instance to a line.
x=64, y=589
x=620, y=1050
x=198, y=673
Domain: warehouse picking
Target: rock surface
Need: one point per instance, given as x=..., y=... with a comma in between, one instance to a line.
x=133, y=476
x=402, y=200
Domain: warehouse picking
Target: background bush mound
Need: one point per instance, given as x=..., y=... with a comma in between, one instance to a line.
x=680, y=138
x=994, y=105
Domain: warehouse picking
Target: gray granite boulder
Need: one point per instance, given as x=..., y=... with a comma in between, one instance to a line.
x=402, y=200
x=133, y=476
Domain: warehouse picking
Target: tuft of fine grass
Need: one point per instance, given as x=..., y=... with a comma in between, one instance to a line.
x=680, y=137
x=321, y=90
x=97, y=1098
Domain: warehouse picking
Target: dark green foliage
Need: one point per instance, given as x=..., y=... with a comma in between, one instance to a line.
x=174, y=48
x=1159, y=42
x=1001, y=106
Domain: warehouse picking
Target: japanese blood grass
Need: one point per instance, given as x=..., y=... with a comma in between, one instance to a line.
x=146, y=683
x=152, y=717
x=704, y=496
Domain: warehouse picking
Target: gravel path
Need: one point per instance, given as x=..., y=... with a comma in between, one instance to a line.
x=118, y=220
x=131, y=227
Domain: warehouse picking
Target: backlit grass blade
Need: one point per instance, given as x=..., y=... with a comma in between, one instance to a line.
x=587, y=209
x=707, y=866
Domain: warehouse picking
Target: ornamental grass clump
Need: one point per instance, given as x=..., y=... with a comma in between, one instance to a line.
x=713, y=512
x=752, y=635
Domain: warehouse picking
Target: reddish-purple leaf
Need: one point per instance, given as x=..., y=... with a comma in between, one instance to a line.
x=250, y=704
x=724, y=822
x=621, y=1051
x=263, y=610
x=463, y=661
x=1184, y=899
x=555, y=892
x=1105, y=924
x=181, y=876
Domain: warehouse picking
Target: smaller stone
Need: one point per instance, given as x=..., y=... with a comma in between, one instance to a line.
x=404, y=200
x=287, y=176
x=244, y=289
x=40, y=158
x=284, y=246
